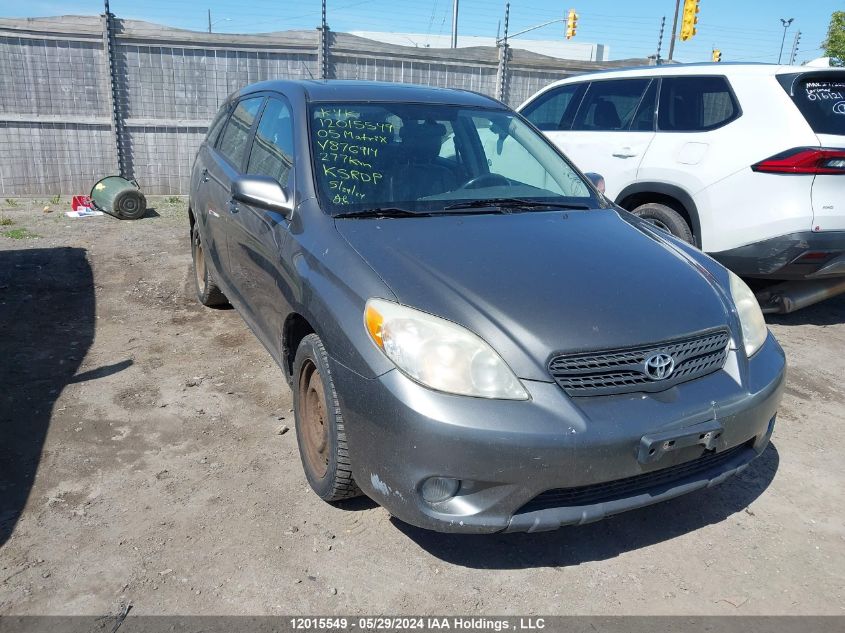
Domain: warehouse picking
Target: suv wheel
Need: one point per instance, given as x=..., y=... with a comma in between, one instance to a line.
x=320, y=431
x=208, y=293
x=666, y=219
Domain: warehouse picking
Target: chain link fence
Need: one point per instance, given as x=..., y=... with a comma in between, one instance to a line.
x=82, y=97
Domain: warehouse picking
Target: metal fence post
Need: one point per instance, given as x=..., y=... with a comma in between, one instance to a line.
x=323, y=47
x=504, y=51
x=502, y=73
x=116, y=118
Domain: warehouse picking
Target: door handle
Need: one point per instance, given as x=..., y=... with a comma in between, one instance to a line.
x=624, y=154
x=204, y=176
x=233, y=206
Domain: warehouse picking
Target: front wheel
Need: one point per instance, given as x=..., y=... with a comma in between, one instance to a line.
x=320, y=431
x=666, y=219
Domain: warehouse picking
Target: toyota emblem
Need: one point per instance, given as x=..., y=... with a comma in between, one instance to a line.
x=659, y=366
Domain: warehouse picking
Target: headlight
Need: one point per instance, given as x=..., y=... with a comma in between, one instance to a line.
x=754, y=329
x=440, y=354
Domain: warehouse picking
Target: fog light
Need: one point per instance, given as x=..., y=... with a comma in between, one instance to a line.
x=436, y=489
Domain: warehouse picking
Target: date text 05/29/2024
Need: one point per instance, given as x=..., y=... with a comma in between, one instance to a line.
x=427, y=623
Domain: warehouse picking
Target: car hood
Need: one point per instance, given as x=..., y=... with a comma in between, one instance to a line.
x=536, y=284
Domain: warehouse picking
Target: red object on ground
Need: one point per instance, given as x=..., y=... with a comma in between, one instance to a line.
x=80, y=201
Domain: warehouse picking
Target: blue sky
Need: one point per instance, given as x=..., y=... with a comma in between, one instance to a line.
x=743, y=30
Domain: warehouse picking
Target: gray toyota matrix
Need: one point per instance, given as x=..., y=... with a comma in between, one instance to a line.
x=474, y=336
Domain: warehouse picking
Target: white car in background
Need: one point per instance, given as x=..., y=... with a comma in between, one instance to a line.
x=747, y=161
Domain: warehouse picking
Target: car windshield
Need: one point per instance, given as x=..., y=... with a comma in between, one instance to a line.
x=429, y=158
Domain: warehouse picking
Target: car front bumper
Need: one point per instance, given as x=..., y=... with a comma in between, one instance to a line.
x=507, y=454
x=782, y=257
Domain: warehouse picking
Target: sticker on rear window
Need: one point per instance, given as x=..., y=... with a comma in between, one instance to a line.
x=824, y=90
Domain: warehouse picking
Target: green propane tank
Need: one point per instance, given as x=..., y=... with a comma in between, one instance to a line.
x=119, y=197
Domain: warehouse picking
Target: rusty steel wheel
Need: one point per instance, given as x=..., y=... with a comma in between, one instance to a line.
x=312, y=410
x=320, y=430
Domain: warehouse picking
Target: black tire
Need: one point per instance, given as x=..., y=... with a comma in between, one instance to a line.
x=320, y=431
x=208, y=293
x=665, y=218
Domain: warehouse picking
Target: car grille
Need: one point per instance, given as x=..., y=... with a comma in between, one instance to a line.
x=631, y=486
x=623, y=370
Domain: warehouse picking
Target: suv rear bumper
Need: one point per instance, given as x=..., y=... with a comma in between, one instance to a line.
x=779, y=257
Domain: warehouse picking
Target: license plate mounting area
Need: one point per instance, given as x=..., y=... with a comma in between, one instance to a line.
x=654, y=446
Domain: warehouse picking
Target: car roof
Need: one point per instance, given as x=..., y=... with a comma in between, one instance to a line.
x=703, y=68
x=728, y=69
x=317, y=90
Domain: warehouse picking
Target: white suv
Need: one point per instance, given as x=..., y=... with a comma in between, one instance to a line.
x=747, y=161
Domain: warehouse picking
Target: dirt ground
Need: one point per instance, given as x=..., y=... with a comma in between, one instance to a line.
x=141, y=462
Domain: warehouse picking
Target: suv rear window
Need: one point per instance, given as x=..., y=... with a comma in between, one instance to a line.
x=821, y=99
x=695, y=104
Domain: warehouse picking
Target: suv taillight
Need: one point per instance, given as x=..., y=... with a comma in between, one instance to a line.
x=804, y=160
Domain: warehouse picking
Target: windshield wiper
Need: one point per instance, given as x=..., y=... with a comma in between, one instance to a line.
x=514, y=203
x=383, y=212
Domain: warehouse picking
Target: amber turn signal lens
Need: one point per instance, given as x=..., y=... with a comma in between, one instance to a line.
x=374, y=321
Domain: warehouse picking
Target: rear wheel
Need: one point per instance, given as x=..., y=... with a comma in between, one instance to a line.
x=320, y=431
x=208, y=293
x=666, y=219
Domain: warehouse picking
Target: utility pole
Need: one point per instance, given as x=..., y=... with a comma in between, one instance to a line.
x=209, y=20
x=786, y=24
x=454, y=23
x=795, y=47
x=674, y=29
x=660, y=39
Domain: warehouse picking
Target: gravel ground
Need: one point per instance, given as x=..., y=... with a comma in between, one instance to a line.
x=141, y=461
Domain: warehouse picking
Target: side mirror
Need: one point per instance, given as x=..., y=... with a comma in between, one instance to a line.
x=263, y=192
x=597, y=180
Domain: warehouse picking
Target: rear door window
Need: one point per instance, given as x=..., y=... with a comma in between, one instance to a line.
x=610, y=105
x=217, y=125
x=554, y=109
x=695, y=104
x=822, y=102
x=235, y=135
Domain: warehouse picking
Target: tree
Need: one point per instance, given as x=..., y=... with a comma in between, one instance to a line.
x=834, y=45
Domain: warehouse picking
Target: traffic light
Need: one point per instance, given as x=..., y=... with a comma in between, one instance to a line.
x=717, y=55
x=689, y=19
x=571, y=24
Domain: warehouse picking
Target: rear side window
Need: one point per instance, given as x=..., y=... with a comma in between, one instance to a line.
x=822, y=102
x=236, y=133
x=695, y=104
x=272, y=149
x=555, y=109
x=610, y=105
x=216, y=125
